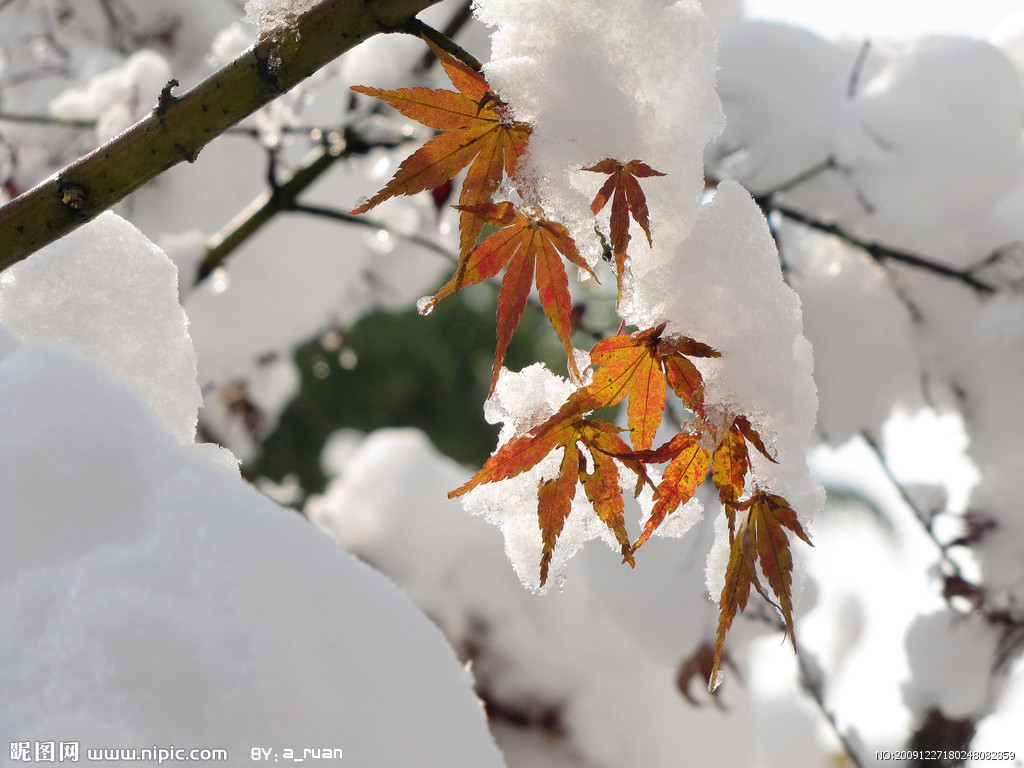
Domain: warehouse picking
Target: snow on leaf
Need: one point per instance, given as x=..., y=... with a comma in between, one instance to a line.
x=627, y=198
x=478, y=132
x=568, y=430
x=529, y=249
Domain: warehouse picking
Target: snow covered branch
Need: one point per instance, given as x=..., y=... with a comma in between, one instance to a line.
x=180, y=126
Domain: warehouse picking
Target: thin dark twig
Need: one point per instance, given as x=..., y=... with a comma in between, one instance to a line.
x=828, y=164
x=882, y=254
x=919, y=515
x=451, y=29
x=282, y=192
x=858, y=66
x=362, y=221
x=56, y=122
x=812, y=684
x=442, y=41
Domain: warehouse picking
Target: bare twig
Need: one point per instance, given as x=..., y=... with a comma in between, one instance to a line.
x=451, y=29
x=858, y=67
x=812, y=683
x=442, y=41
x=883, y=254
x=362, y=221
x=281, y=195
x=189, y=122
x=56, y=122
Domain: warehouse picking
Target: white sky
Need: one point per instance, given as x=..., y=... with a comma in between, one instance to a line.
x=890, y=18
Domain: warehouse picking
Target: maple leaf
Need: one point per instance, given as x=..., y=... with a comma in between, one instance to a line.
x=686, y=471
x=568, y=430
x=528, y=248
x=698, y=666
x=477, y=131
x=729, y=469
x=761, y=538
x=735, y=593
x=743, y=424
x=641, y=365
x=623, y=189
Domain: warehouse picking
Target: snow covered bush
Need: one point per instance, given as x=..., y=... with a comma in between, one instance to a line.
x=732, y=195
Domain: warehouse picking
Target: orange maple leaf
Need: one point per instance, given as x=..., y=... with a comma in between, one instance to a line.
x=686, y=471
x=730, y=464
x=477, y=131
x=531, y=249
x=761, y=539
x=568, y=430
x=623, y=189
x=641, y=365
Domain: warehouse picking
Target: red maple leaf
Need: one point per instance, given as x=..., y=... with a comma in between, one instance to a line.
x=529, y=249
x=477, y=131
x=623, y=189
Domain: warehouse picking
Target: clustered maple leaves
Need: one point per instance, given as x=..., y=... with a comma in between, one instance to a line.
x=476, y=129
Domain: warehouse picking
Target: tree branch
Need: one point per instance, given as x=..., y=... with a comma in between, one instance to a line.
x=881, y=253
x=281, y=196
x=181, y=126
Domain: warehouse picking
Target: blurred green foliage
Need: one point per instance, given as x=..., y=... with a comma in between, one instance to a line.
x=401, y=369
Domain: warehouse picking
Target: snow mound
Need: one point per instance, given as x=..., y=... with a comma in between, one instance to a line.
x=150, y=597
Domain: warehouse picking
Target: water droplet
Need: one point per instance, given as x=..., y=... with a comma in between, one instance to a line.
x=424, y=305
x=321, y=369
x=348, y=359
x=219, y=281
x=716, y=681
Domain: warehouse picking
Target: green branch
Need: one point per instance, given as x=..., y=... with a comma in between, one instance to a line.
x=282, y=195
x=181, y=126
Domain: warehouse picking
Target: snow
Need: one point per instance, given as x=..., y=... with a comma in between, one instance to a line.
x=781, y=112
x=659, y=112
x=151, y=597
x=852, y=313
x=950, y=657
x=128, y=546
x=117, y=98
x=271, y=15
x=113, y=294
x=713, y=271
x=723, y=286
x=591, y=656
x=938, y=126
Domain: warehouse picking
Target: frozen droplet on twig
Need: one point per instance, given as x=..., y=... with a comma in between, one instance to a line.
x=716, y=680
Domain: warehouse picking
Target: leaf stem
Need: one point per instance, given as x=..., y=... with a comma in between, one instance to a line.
x=442, y=41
